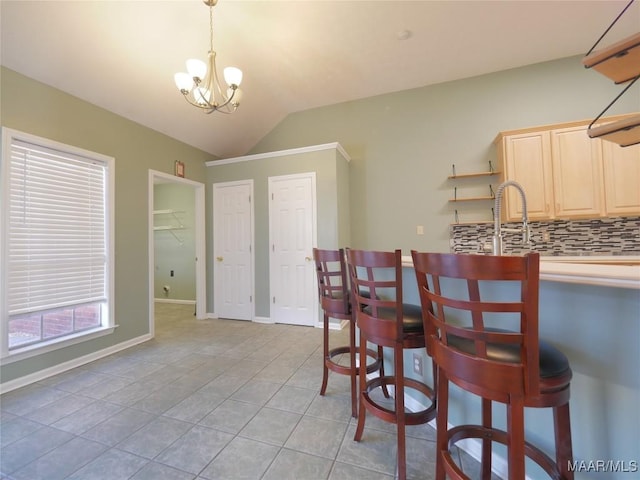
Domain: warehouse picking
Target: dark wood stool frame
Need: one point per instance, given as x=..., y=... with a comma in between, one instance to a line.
x=384, y=320
x=510, y=366
x=335, y=301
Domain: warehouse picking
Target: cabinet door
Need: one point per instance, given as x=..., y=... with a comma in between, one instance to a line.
x=577, y=173
x=527, y=160
x=621, y=179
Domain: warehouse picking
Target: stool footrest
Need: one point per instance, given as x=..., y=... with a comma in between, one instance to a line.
x=346, y=369
x=462, y=432
x=389, y=415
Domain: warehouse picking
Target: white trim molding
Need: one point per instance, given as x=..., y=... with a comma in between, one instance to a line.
x=281, y=153
x=76, y=362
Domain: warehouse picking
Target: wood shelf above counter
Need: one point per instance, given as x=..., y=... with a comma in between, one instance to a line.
x=473, y=175
x=619, y=62
x=471, y=186
x=624, y=132
x=471, y=199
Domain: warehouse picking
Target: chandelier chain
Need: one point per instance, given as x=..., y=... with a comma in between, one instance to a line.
x=211, y=26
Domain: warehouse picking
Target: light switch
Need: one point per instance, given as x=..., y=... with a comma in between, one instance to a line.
x=420, y=230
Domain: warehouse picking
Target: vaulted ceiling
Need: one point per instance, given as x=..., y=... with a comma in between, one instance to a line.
x=295, y=55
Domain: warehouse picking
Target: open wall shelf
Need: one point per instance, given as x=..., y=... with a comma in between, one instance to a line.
x=619, y=62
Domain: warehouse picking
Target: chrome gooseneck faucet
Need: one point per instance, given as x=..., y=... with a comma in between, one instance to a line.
x=497, y=227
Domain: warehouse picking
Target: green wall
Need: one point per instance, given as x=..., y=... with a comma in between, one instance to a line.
x=38, y=109
x=402, y=144
x=332, y=219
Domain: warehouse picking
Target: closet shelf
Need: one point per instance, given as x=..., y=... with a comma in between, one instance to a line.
x=624, y=132
x=619, y=62
x=174, y=223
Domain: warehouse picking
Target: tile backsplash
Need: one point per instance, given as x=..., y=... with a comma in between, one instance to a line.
x=605, y=236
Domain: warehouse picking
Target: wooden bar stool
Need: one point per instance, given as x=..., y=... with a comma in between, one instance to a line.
x=335, y=301
x=384, y=320
x=487, y=344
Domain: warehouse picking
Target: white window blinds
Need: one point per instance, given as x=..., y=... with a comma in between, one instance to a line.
x=57, y=252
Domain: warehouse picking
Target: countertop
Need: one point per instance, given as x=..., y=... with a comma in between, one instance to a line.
x=610, y=271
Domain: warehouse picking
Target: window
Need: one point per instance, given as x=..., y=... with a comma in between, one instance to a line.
x=57, y=243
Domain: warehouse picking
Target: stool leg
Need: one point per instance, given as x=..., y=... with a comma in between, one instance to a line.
x=362, y=411
x=385, y=391
x=400, y=417
x=325, y=370
x=564, y=449
x=354, y=368
x=442, y=418
x=487, y=422
x=515, y=433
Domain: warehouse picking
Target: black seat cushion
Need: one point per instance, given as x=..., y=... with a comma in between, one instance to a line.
x=411, y=317
x=552, y=361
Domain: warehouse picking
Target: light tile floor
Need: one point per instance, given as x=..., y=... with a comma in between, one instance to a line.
x=205, y=399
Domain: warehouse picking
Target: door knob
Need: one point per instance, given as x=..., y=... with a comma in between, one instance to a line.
x=308, y=259
x=219, y=259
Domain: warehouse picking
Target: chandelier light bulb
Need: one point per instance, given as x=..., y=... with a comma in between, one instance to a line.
x=233, y=76
x=196, y=68
x=184, y=81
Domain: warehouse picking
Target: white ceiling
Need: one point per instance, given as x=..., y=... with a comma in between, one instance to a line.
x=295, y=55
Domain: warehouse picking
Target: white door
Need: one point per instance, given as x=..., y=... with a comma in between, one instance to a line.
x=232, y=246
x=292, y=236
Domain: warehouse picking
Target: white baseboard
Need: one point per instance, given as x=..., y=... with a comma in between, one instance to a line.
x=76, y=362
x=174, y=300
x=263, y=320
x=266, y=320
x=336, y=326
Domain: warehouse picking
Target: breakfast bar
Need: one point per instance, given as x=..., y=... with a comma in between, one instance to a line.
x=590, y=310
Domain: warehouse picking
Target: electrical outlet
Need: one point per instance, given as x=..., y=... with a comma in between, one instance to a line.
x=417, y=363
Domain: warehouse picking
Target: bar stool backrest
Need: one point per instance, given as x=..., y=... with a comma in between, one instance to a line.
x=333, y=288
x=376, y=285
x=480, y=314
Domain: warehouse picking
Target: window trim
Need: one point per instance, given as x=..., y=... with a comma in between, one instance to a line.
x=108, y=326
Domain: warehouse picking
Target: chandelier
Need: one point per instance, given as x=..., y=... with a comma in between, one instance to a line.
x=201, y=87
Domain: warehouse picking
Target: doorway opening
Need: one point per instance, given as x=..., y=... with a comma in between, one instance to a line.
x=185, y=230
